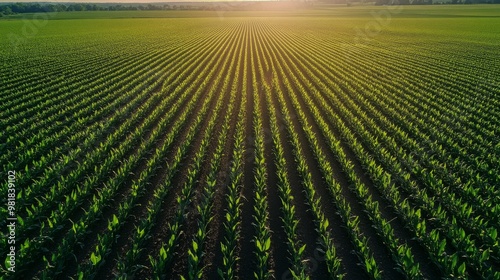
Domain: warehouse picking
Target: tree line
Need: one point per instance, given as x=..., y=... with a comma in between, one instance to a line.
x=430, y=2
x=19, y=8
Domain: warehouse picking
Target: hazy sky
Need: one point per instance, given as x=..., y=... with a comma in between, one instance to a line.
x=119, y=1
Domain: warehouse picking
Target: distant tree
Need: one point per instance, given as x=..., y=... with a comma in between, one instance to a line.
x=30, y=8
x=49, y=8
x=18, y=8
x=154, y=7
x=6, y=10
x=60, y=8
x=76, y=7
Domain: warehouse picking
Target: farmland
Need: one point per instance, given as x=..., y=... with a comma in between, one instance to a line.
x=336, y=142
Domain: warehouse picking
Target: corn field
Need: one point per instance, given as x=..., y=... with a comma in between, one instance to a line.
x=252, y=148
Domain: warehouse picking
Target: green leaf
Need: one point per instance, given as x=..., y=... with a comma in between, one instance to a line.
x=493, y=234
x=461, y=269
x=326, y=223
x=442, y=245
x=94, y=259
x=195, y=246
x=193, y=256
x=267, y=245
x=7, y=262
x=486, y=255
x=258, y=244
x=20, y=220
x=163, y=253
x=302, y=249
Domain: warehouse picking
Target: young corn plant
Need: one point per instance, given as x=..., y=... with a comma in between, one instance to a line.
x=262, y=239
x=232, y=221
x=296, y=249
